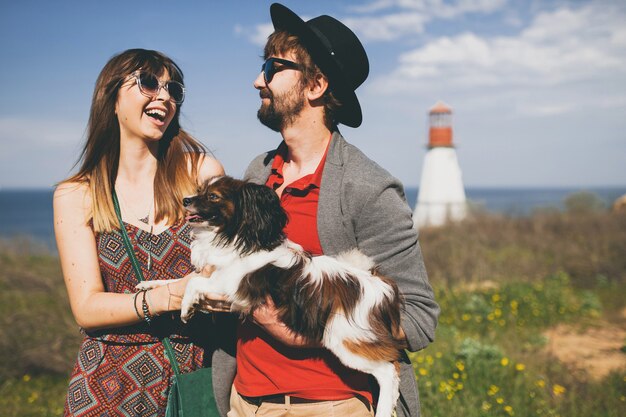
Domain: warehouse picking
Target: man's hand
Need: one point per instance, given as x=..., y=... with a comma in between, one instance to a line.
x=266, y=316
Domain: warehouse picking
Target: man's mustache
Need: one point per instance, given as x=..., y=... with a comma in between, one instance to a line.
x=265, y=93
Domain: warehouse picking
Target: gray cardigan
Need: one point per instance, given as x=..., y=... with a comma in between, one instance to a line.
x=361, y=205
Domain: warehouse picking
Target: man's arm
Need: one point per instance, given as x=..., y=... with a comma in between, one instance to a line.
x=384, y=231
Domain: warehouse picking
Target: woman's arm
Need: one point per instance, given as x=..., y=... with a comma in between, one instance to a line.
x=93, y=308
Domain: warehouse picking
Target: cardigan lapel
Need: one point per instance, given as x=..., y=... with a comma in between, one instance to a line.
x=333, y=227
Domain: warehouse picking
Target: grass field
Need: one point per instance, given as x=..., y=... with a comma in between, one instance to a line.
x=505, y=287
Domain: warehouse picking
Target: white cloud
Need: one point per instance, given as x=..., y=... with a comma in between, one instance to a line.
x=563, y=47
x=32, y=149
x=390, y=19
x=435, y=8
x=388, y=27
x=36, y=134
x=257, y=34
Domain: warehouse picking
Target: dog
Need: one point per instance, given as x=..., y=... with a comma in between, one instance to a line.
x=340, y=302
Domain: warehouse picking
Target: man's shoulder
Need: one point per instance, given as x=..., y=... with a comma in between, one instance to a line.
x=259, y=165
x=360, y=167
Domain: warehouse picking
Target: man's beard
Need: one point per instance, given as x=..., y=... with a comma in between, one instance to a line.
x=282, y=110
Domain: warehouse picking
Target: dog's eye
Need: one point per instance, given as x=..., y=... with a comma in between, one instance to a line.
x=213, y=197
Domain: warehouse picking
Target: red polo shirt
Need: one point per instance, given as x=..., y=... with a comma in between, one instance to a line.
x=267, y=367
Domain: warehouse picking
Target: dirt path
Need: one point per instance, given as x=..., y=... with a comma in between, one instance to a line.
x=596, y=351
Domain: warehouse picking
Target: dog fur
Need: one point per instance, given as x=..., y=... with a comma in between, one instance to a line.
x=340, y=302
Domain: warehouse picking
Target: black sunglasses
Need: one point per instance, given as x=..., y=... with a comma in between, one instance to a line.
x=149, y=85
x=269, y=67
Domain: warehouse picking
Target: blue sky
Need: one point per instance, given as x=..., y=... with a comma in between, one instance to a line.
x=538, y=88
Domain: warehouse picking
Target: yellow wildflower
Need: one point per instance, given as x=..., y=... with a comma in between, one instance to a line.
x=26, y=378
x=504, y=361
x=423, y=372
x=558, y=389
x=495, y=298
x=486, y=406
x=509, y=410
x=520, y=367
x=438, y=355
x=455, y=375
x=540, y=383
x=500, y=400
x=466, y=317
x=460, y=366
x=493, y=390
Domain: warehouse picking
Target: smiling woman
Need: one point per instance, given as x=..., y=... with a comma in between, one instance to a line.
x=137, y=155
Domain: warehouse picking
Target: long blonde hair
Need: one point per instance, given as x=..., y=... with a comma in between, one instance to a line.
x=99, y=159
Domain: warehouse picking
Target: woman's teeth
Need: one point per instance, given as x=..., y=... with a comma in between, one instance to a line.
x=156, y=113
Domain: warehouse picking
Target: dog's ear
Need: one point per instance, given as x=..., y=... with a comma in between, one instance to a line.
x=263, y=218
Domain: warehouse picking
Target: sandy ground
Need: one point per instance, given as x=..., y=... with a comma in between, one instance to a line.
x=594, y=351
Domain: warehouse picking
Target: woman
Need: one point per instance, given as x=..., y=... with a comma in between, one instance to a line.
x=136, y=150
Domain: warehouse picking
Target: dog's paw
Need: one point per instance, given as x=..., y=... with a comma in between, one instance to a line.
x=190, y=299
x=186, y=310
x=148, y=285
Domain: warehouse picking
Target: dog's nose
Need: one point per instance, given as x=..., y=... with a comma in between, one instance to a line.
x=186, y=201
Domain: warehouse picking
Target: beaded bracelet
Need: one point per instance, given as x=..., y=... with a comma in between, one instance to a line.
x=146, y=311
x=135, y=305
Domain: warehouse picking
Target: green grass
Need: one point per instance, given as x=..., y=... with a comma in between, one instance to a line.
x=501, y=283
x=488, y=359
x=33, y=396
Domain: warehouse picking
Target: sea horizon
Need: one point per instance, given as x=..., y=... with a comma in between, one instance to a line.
x=27, y=212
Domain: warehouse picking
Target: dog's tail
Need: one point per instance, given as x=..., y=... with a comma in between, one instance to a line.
x=357, y=259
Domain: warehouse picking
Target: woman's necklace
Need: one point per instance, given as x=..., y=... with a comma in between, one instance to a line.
x=147, y=243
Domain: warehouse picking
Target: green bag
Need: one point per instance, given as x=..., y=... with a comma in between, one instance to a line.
x=191, y=394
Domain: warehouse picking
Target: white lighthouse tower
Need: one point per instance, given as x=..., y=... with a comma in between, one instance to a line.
x=441, y=193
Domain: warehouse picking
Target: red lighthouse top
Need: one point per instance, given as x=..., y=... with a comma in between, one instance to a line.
x=440, y=119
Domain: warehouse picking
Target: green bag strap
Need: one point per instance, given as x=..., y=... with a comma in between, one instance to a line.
x=133, y=260
x=171, y=356
x=129, y=247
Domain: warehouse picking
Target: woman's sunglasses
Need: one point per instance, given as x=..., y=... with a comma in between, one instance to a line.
x=270, y=68
x=149, y=85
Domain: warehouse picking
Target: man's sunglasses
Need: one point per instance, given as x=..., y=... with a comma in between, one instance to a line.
x=149, y=85
x=270, y=68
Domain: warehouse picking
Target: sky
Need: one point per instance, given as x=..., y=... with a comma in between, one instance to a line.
x=537, y=87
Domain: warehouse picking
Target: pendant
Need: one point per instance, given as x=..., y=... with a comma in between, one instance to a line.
x=146, y=219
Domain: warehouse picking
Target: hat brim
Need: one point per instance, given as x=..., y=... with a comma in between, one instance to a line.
x=349, y=113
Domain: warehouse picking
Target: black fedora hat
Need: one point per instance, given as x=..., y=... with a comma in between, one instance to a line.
x=336, y=50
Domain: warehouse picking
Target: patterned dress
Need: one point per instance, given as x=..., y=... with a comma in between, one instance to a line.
x=125, y=371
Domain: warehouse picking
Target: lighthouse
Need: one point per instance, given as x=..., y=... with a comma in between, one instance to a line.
x=441, y=194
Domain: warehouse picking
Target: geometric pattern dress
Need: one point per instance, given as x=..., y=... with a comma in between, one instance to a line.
x=124, y=371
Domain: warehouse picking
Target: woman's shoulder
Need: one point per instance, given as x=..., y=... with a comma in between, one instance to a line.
x=72, y=195
x=208, y=167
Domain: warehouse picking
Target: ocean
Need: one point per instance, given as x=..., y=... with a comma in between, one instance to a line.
x=28, y=213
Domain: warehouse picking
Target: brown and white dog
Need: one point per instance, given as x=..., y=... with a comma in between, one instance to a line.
x=341, y=303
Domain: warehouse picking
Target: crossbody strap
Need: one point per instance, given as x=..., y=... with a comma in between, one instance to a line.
x=133, y=260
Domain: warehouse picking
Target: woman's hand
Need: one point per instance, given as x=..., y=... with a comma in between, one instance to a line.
x=212, y=302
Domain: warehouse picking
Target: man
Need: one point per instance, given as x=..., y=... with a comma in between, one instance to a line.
x=336, y=199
